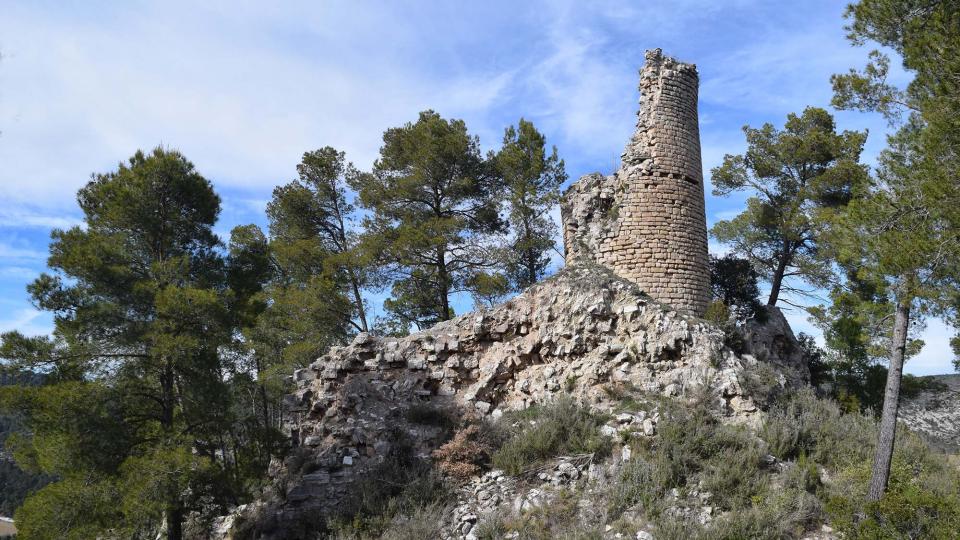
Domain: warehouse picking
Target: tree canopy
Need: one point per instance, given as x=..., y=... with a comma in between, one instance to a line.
x=433, y=212
x=790, y=174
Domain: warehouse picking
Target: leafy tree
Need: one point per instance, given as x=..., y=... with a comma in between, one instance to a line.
x=792, y=174
x=857, y=330
x=433, y=212
x=136, y=386
x=733, y=281
x=290, y=310
x=532, y=180
x=489, y=289
x=254, y=403
x=904, y=238
x=916, y=201
x=314, y=210
x=310, y=274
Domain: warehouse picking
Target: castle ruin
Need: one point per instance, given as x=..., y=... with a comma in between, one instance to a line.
x=647, y=221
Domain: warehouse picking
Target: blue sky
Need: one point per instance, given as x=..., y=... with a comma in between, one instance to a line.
x=243, y=89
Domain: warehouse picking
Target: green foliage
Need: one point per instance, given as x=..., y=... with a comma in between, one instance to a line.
x=489, y=289
x=733, y=281
x=542, y=432
x=805, y=425
x=311, y=225
x=558, y=519
x=142, y=313
x=432, y=211
x=73, y=508
x=910, y=222
x=922, y=498
x=398, y=497
x=532, y=181
x=693, y=448
x=792, y=174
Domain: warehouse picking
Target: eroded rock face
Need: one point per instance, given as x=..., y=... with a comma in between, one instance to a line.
x=773, y=341
x=577, y=333
x=585, y=330
x=935, y=413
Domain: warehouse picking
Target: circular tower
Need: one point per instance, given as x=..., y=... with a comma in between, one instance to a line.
x=647, y=222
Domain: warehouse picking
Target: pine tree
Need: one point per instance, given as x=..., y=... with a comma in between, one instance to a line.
x=130, y=422
x=904, y=236
x=433, y=211
x=532, y=179
x=914, y=207
x=314, y=209
x=791, y=174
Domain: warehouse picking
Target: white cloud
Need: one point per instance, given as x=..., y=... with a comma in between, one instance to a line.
x=19, y=273
x=28, y=321
x=11, y=253
x=936, y=357
x=236, y=95
x=20, y=218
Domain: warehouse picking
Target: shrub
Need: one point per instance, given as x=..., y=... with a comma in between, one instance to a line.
x=470, y=450
x=922, y=498
x=558, y=518
x=401, y=488
x=693, y=449
x=805, y=424
x=761, y=381
x=423, y=523
x=562, y=427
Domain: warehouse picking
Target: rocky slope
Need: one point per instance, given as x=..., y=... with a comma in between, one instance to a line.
x=935, y=412
x=577, y=334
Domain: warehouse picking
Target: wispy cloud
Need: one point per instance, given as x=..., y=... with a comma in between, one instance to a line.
x=9, y=252
x=243, y=88
x=20, y=218
x=26, y=320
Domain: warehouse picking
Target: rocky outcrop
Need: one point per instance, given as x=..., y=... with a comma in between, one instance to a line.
x=934, y=412
x=581, y=333
x=577, y=333
x=770, y=339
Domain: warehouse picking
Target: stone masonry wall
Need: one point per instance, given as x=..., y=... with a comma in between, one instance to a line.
x=647, y=222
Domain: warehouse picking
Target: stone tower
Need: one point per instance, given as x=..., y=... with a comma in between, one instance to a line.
x=647, y=221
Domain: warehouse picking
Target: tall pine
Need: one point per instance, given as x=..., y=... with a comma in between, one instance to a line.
x=132, y=419
x=433, y=210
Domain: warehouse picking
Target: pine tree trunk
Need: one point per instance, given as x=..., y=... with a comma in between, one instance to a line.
x=358, y=299
x=891, y=403
x=444, y=279
x=777, y=281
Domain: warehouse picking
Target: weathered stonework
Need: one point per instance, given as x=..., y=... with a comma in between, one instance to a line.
x=647, y=221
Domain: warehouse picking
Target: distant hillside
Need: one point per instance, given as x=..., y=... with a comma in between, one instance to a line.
x=934, y=412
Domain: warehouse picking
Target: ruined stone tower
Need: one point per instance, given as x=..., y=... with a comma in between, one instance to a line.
x=647, y=221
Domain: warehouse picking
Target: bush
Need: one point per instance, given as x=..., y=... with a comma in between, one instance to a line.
x=560, y=518
x=562, y=427
x=470, y=450
x=922, y=498
x=817, y=428
x=399, y=490
x=761, y=381
x=693, y=449
x=923, y=494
